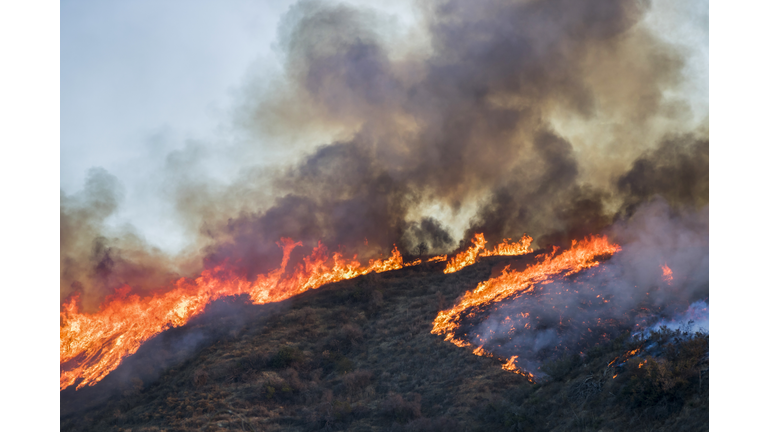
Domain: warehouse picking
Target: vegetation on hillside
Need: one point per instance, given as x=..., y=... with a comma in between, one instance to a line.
x=359, y=355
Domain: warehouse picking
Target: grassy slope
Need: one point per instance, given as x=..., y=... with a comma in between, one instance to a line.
x=358, y=355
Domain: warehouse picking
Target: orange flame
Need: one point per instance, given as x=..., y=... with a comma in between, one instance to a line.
x=667, y=273
x=438, y=258
x=468, y=257
x=510, y=248
x=479, y=351
x=512, y=367
x=506, y=247
x=582, y=255
x=93, y=345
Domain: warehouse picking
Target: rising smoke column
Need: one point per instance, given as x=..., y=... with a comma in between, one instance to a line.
x=470, y=122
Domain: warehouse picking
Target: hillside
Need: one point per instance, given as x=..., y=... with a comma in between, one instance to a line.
x=359, y=355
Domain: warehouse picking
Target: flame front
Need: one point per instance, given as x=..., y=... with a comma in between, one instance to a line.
x=510, y=248
x=506, y=247
x=93, y=345
x=582, y=255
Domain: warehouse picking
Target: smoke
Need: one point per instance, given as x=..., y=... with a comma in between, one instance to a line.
x=553, y=118
x=695, y=318
x=97, y=258
x=629, y=292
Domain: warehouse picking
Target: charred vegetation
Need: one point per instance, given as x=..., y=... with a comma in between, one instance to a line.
x=359, y=355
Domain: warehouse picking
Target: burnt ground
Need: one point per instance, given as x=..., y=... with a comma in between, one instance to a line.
x=358, y=355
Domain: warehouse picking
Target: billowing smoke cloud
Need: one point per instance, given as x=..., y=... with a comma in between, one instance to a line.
x=629, y=292
x=96, y=258
x=479, y=122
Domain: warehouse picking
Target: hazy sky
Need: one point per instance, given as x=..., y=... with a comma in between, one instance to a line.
x=140, y=79
x=131, y=71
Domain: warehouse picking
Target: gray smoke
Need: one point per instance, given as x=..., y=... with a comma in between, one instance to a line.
x=629, y=292
x=472, y=124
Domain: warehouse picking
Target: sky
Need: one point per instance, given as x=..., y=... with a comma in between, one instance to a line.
x=82, y=52
x=143, y=79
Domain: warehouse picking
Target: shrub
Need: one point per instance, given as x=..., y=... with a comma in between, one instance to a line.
x=376, y=300
x=351, y=333
x=333, y=361
x=425, y=424
x=400, y=410
x=199, y=378
x=287, y=356
x=505, y=415
x=271, y=386
x=669, y=379
x=560, y=368
x=357, y=380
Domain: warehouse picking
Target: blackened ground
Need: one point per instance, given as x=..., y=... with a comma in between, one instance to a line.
x=359, y=355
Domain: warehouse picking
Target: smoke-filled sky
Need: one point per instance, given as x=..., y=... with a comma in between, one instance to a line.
x=142, y=79
x=196, y=138
x=122, y=109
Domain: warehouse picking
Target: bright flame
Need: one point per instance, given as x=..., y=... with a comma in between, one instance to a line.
x=506, y=247
x=582, y=255
x=512, y=367
x=468, y=257
x=509, y=248
x=667, y=273
x=95, y=344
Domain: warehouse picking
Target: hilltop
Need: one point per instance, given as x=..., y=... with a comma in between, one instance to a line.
x=359, y=355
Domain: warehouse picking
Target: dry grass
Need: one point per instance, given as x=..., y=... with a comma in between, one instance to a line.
x=358, y=355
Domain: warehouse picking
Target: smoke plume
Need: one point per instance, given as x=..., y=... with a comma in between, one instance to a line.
x=630, y=292
x=472, y=131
